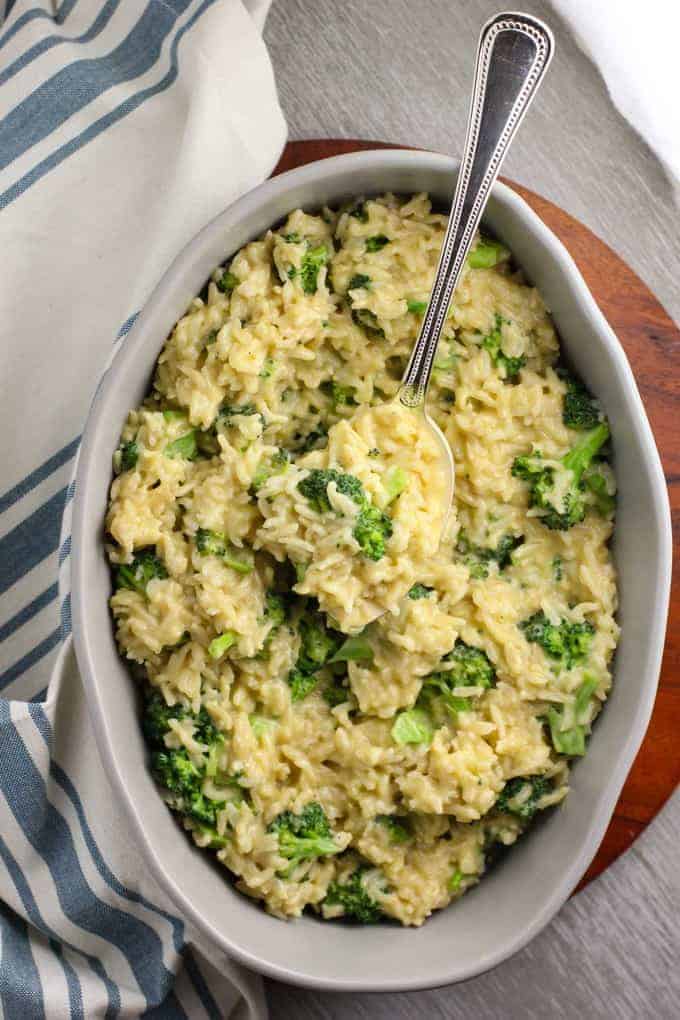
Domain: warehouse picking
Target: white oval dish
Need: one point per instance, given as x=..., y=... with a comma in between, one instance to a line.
x=516, y=900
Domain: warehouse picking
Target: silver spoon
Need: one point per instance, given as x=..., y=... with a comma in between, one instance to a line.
x=513, y=55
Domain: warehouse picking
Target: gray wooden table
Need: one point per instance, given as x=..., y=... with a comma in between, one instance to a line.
x=400, y=71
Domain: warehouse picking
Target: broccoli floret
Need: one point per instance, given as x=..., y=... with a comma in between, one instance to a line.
x=359, y=280
x=276, y=465
x=311, y=263
x=573, y=500
x=128, y=455
x=520, y=796
x=304, y=836
x=565, y=642
x=215, y=543
x=145, y=567
x=342, y=396
x=557, y=568
x=227, y=282
x=487, y=254
x=599, y=495
x=398, y=827
x=580, y=409
x=156, y=718
x=275, y=609
x=177, y=773
x=317, y=645
x=508, y=366
x=464, y=666
x=467, y=666
x=372, y=529
x=377, y=242
x=314, y=487
x=183, y=448
x=228, y=411
x=301, y=683
x=416, y=307
x=335, y=693
x=317, y=642
x=353, y=898
x=478, y=558
x=420, y=591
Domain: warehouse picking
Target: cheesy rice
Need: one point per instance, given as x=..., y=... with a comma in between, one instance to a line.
x=269, y=502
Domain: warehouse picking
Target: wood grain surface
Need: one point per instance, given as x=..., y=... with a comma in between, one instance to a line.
x=652, y=343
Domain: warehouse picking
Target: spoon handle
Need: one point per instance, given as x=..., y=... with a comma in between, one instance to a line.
x=514, y=53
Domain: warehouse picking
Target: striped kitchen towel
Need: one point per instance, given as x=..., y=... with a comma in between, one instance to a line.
x=125, y=125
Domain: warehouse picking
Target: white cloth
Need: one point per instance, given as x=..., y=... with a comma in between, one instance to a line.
x=124, y=127
x=634, y=45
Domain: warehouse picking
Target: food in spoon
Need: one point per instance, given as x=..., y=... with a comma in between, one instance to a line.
x=375, y=771
x=360, y=519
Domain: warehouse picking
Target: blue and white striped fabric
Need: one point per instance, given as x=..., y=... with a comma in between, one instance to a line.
x=125, y=125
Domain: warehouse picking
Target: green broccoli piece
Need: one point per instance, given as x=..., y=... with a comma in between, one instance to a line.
x=157, y=716
x=478, y=558
x=487, y=254
x=398, y=827
x=183, y=448
x=276, y=465
x=301, y=683
x=275, y=609
x=229, y=411
x=342, y=396
x=413, y=726
x=128, y=455
x=335, y=693
x=368, y=321
x=177, y=773
x=303, y=837
x=568, y=723
x=221, y=644
x=492, y=343
x=420, y=591
x=359, y=280
x=355, y=648
x=567, y=643
x=520, y=796
x=372, y=529
x=353, y=898
x=395, y=483
x=311, y=263
x=541, y=480
x=145, y=567
x=557, y=568
x=599, y=495
x=215, y=543
x=377, y=242
x=314, y=487
x=580, y=409
x=416, y=307
x=227, y=282
x=455, y=880
x=465, y=666
x=317, y=644
x=268, y=369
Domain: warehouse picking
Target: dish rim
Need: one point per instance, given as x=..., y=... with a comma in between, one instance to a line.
x=376, y=159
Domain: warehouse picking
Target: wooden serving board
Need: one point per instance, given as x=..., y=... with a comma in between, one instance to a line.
x=652, y=344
